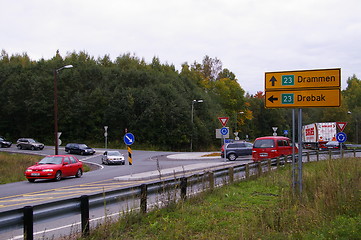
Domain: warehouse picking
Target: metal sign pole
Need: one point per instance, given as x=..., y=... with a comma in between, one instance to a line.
x=293, y=150
x=300, y=151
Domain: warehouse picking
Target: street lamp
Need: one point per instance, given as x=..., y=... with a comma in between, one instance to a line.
x=193, y=102
x=236, y=125
x=356, y=122
x=56, y=71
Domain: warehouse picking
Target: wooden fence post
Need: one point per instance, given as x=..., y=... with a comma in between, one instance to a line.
x=231, y=174
x=143, y=198
x=183, y=187
x=247, y=170
x=84, y=211
x=211, y=180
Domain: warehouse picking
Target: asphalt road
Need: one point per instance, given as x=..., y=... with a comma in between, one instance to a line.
x=11, y=195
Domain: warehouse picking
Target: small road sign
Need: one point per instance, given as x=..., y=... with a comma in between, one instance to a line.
x=223, y=120
x=129, y=139
x=224, y=131
x=341, y=137
x=341, y=125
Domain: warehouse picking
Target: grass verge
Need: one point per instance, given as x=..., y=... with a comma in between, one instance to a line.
x=262, y=208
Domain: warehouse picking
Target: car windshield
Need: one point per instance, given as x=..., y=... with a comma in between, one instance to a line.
x=2, y=139
x=51, y=160
x=32, y=141
x=83, y=146
x=264, y=143
x=114, y=153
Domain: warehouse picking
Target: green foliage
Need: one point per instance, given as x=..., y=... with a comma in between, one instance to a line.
x=152, y=100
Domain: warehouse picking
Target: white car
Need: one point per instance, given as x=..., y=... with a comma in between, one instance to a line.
x=113, y=157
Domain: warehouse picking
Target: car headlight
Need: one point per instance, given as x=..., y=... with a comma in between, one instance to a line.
x=29, y=170
x=48, y=170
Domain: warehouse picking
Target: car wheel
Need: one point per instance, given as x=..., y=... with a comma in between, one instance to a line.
x=57, y=176
x=19, y=146
x=1, y=145
x=32, y=148
x=82, y=153
x=79, y=173
x=31, y=180
x=232, y=157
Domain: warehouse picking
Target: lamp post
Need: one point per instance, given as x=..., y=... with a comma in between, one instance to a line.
x=193, y=102
x=236, y=125
x=356, y=122
x=56, y=71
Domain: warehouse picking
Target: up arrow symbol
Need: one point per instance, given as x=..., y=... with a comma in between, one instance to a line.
x=273, y=80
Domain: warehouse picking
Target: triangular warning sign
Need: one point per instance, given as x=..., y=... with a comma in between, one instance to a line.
x=341, y=125
x=223, y=120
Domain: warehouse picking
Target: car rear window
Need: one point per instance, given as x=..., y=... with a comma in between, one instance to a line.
x=264, y=143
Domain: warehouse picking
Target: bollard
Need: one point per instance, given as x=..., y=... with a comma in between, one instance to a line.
x=354, y=152
x=84, y=211
x=318, y=155
x=28, y=223
x=143, y=198
x=308, y=156
x=231, y=174
x=329, y=154
x=269, y=165
x=278, y=162
x=183, y=187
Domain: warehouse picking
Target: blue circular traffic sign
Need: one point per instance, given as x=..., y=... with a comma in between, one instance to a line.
x=341, y=137
x=224, y=131
x=129, y=139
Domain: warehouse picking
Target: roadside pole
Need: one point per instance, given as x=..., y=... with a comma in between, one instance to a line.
x=129, y=140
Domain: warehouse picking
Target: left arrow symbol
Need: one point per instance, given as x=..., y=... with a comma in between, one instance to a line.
x=271, y=99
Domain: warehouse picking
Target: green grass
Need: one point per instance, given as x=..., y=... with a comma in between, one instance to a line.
x=13, y=166
x=263, y=208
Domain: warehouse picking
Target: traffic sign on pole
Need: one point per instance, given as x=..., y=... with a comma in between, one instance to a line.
x=319, y=78
x=341, y=125
x=223, y=120
x=224, y=131
x=303, y=98
x=305, y=88
x=129, y=138
x=341, y=137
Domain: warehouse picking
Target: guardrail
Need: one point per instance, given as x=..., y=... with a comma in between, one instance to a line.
x=26, y=216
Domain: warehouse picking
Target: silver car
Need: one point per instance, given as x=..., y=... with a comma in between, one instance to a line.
x=113, y=157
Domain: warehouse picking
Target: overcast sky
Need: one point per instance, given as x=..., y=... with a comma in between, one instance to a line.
x=250, y=37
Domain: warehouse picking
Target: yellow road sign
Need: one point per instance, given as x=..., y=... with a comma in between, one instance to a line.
x=303, y=98
x=321, y=78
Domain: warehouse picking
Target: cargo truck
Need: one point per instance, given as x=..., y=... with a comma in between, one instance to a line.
x=316, y=135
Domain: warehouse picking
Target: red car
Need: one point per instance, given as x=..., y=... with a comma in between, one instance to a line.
x=271, y=147
x=55, y=167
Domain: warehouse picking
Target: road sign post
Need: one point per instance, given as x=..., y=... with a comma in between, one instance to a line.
x=129, y=140
x=299, y=89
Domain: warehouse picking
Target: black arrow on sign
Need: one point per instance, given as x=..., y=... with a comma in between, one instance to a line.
x=273, y=80
x=271, y=99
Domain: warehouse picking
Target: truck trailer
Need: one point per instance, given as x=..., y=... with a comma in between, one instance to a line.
x=316, y=135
